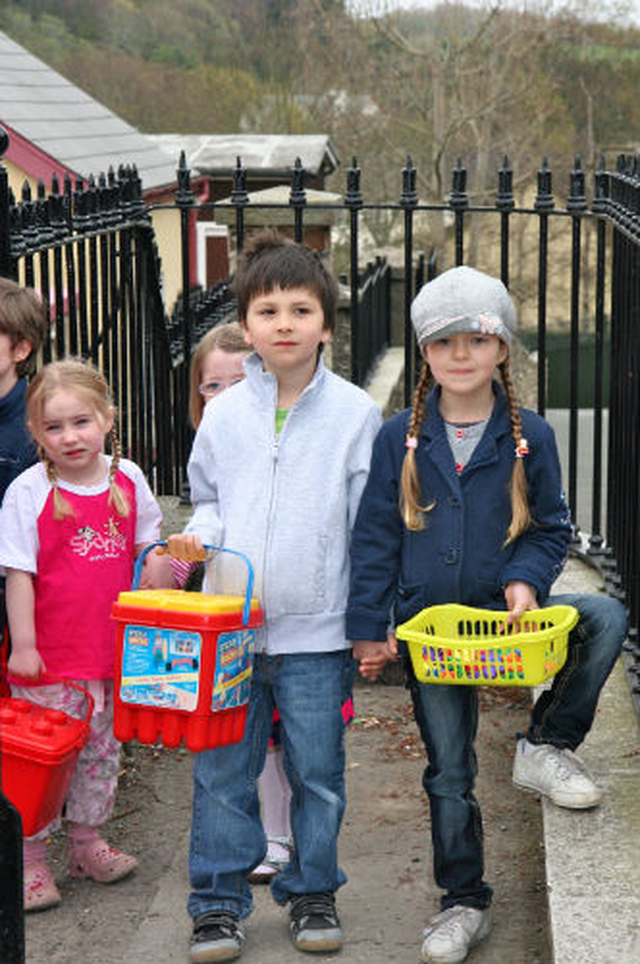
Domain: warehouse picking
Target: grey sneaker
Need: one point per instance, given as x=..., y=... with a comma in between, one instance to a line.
x=557, y=774
x=314, y=923
x=449, y=937
x=217, y=936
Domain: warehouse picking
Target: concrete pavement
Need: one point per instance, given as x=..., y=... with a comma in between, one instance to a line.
x=567, y=883
x=591, y=860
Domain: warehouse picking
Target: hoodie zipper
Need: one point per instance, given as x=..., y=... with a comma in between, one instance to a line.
x=269, y=526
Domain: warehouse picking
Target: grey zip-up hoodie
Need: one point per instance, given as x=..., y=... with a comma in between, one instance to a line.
x=287, y=502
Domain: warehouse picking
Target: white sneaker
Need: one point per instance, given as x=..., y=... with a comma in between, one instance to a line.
x=557, y=774
x=450, y=935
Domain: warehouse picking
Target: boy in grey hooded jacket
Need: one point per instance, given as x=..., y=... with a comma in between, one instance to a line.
x=277, y=469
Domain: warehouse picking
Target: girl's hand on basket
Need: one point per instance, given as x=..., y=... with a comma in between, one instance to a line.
x=26, y=662
x=373, y=656
x=182, y=546
x=520, y=597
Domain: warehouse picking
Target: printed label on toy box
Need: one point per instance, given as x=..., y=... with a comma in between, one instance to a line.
x=161, y=667
x=234, y=660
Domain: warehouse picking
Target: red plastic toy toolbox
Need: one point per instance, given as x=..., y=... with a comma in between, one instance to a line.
x=183, y=663
x=39, y=748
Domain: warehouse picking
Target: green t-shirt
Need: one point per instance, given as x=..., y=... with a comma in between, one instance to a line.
x=281, y=415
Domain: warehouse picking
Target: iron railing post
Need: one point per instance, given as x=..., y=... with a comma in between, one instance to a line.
x=505, y=203
x=598, y=207
x=8, y=266
x=353, y=202
x=459, y=202
x=544, y=204
x=239, y=199
x=408, y=202
x=298, y=199
x=576, y=205
x=185, y=202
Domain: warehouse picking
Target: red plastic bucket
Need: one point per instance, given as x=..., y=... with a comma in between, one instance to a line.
x=39, y=748
x=183, y=664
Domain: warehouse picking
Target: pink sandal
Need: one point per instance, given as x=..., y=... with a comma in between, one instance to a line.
x=97, y=860
x=40, y=889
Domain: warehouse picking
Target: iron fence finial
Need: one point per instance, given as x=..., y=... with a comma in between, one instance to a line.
x=184, y=195
x=577, y=200
x=544, y=198
x=505, y=200
x=409, y=197
x=602, y=188
x=239, y=196
x=298, y=195
x=459, y=199
x=353, y=195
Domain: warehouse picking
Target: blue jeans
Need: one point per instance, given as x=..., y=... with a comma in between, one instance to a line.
x=227, y=837
x=563, y=714
x=447, y=717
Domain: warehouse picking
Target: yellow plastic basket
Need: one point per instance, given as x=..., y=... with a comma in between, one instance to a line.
x=467, y=646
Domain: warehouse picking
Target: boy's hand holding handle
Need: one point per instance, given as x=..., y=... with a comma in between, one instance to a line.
x=373, y=656
x=187, y=547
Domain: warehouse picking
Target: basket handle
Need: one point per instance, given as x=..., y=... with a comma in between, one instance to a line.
x=52, y=678
x=246, y=609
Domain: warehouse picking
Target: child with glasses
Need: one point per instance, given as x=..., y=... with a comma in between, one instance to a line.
x=216, y=364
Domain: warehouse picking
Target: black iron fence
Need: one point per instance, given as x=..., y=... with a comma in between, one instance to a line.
x=620, y=203
x=571, y=265
x=90, y=250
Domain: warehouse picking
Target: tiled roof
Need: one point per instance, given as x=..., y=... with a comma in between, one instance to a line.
x=67, y=124
x=260, y=153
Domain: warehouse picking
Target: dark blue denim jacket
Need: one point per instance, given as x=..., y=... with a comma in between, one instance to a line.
x=17, y=448
x=460, y=554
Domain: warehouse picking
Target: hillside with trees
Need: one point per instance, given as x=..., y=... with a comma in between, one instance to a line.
x=438, y=83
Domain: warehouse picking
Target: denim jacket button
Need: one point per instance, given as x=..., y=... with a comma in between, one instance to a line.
x=451, y=557
x=454, y=502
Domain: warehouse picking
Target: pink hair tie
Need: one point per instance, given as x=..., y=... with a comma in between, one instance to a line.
x=522, y=448
x=411, y=442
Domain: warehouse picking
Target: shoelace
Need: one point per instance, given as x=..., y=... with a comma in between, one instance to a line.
x=227, y=923
x=310, y=905
x=447, y=922
x=565, y=765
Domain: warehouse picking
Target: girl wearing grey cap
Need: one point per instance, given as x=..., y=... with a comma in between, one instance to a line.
x=464, y=504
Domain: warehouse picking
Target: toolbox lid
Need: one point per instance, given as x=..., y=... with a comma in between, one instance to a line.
x=178, y=600
x=38, y=733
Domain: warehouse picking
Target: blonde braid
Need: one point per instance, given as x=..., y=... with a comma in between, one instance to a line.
x=410, y=508
x=520, y=512
x=61, y=508
x=117, y=497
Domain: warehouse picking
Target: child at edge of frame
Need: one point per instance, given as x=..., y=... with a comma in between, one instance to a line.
x=23, y=324
x=71, y=527
x=464, y=504
x=276, y=471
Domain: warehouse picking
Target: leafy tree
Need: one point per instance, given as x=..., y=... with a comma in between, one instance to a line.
x=438, y=83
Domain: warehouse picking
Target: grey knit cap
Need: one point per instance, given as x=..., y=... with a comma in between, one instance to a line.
x=462, y=300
